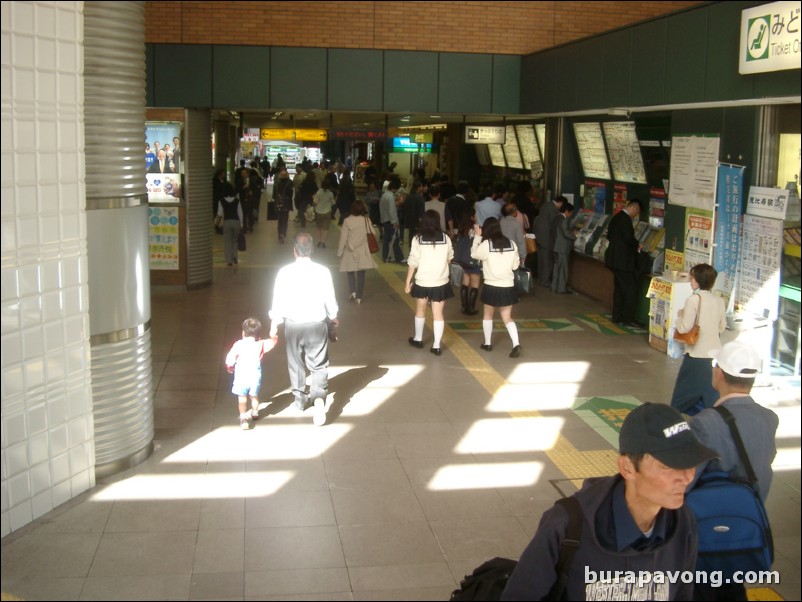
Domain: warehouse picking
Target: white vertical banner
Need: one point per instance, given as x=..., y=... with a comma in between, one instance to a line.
x=761, y=256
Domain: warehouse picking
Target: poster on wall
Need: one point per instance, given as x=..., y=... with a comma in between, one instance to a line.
x=698, y=238
x=657, y=207
x=619, y=198
x=728, y=228
x=163, y=161
x=528, y=145
x=163, y=237
x=760, y=258
x=595, y=196
x=694, y=166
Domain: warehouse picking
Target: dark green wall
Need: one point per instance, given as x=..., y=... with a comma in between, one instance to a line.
x=688, y=57
x=244, y=77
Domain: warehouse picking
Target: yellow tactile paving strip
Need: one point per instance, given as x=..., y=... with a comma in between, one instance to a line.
x=573, y=463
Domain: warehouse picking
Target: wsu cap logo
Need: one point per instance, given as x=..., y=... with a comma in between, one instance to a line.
x=757, y=47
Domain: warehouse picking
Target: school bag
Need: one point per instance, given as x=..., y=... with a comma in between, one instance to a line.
x=732, y=524
x=488, y=580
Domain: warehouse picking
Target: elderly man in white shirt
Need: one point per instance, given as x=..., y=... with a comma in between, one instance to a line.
x=303, y=299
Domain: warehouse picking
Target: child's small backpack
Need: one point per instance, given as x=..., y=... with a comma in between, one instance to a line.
x=489, y=579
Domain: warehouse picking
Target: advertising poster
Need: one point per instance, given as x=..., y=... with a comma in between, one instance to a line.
x=728, y=228
x=761, y=255
x=163, y=236
x=595, y=196
x=657, y=207
x=163, y=161
x=619, y=198
x=660, y=294
x=698, y=238
x=674, y=260
x=694, y=163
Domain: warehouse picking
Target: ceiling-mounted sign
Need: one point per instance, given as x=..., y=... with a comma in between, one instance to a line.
x=358, y=134
x=770, y=39
x=294, y=135
x=483, y=134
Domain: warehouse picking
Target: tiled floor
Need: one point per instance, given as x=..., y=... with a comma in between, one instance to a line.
x=427, y=466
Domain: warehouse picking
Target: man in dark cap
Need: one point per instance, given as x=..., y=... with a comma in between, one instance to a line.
x=635, y=528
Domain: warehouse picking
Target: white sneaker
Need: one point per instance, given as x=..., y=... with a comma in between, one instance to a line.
x=319, y=415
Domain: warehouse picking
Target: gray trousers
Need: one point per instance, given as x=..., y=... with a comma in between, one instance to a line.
x=307, y=349
x=559, y=277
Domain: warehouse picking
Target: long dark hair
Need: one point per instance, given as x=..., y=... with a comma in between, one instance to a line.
x=468, y=220
x=430, y=227
x=491, y=230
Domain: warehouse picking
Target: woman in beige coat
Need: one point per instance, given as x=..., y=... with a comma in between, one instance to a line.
x=353, y=251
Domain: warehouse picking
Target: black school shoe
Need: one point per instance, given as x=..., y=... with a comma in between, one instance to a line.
x=516, y=351
x=414, y=343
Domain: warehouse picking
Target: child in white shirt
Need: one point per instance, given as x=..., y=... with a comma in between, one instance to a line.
x=245, y=362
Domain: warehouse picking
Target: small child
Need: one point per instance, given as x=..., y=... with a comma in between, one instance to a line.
x=245, y=361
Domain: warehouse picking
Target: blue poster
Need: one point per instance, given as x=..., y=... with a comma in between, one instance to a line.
x=729, y=199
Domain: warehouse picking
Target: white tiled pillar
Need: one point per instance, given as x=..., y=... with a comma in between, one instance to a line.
x=47, y=440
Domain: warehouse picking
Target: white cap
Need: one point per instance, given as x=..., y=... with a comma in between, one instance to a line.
x=738, y=359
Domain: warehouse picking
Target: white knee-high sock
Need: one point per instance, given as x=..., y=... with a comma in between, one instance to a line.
x=438, y=326
x=419, y=324
x=513, y=330
x=487, y=329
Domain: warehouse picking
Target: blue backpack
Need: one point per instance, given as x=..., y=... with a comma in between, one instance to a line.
x=734, y=530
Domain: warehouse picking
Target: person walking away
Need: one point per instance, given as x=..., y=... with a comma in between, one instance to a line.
x=244, y=361
x=389, y=221
x=413, y=209
x=736, y=366
x=545, y=243
x=230, y=209
x=353, y=250
x=429, y=257
x=436, y=203
x=500, y=259
x=471, y=269
x=345, y=196
x=305, y=196
x=564, y=237
x=303, y=301
x=512, y=228
x=282, y=200
x=621, y=258
x=324, y=203
x=693, y=389
x=247, y=197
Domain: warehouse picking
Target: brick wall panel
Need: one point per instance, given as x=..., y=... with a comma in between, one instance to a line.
x=484, y=27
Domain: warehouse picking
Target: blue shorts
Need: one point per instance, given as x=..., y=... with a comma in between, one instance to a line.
x=247, y=382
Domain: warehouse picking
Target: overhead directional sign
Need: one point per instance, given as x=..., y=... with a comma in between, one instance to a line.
x=293, y=135
x=483, y=134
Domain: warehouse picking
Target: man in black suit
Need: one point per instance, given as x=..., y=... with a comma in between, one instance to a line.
x=621, y=257
x=162, y=164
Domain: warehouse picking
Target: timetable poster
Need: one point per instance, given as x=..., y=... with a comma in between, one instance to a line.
x=698, y=238
x=595, y=196
x=591, y=150
x=728, y=228
x=528, y=145
x=694, y=166
x=511, y=151
x=761, y=255
x=624, y=149
x=163, y=236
